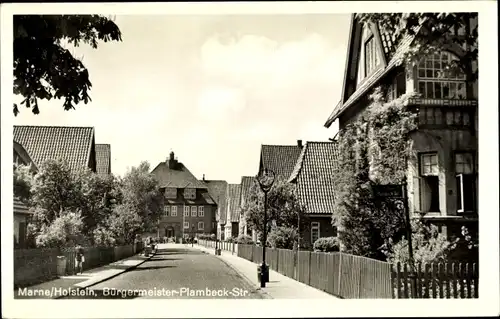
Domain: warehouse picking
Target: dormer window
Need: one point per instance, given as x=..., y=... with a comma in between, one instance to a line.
x=171, y=192
x=435, y=82
x=190, y=193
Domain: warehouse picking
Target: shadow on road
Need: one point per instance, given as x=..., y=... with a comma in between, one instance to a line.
x=151, y=268
x=177, y=251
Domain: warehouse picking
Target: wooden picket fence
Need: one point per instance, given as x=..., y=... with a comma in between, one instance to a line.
x=356, y=277
x=436, y=281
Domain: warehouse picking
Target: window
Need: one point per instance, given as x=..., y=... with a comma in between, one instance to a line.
x=201, y=226
x=186, y=211
x=170, y=192
x=397, y=87
x=201, y=211
x=190, y=193
x=371, y=56
x=314, y=231
x=186, y=225
x=193, y=211
x=434, y=82
x=428, y=185
x=466, y=182
x=174, y=211
x=167, y=210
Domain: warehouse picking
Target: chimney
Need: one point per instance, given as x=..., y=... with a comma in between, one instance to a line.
x=299, y=143
x=172, y=155
x=203, y=177
x=172, y=162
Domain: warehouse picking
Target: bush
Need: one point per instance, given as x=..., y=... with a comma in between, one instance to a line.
x=64, y=231
x=326, y=244
x=229, y=240
x=103, y=237
x=244, y=239
x=282, y=237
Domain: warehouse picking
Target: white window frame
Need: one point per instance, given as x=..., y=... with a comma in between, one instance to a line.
x=194, y=211
x=428, y=75
x=174, y=211
x=201, y=211
x=202, y=226
x=186, y=225
x=314, y=226
x=167, y=210
x=186, y=211
x=422, y=164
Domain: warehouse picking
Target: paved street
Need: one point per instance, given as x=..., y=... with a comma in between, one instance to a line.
x=176, y=271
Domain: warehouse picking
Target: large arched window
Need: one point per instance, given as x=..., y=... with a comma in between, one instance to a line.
x=436, y=83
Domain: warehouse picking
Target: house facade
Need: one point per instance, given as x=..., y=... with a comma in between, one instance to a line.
x=218, y=191
x=189, y=208
x=246, y=183
x=442, y=178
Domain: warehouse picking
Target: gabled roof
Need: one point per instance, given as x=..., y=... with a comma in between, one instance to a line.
x=103, y=159
x=24, y=155
x=313, y=176
x=233, y=203
x=246, y=183
x=280, y=158
x=177, y=177
x=393, y=53
x=73, y=144
x=218, y=190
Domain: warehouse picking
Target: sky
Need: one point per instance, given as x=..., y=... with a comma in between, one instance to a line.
x=212, y=89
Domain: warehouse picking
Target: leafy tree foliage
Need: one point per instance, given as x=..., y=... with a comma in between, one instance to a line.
x=283, y=210
x=124, y=223
x=64, y=231
x=141, y=194
x=44, y=68
x=433, y=32
x=23, y=180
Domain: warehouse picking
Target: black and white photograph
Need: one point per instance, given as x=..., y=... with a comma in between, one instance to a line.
x=220, y=153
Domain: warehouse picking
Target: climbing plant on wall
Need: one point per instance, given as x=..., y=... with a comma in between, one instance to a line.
x=372, y=150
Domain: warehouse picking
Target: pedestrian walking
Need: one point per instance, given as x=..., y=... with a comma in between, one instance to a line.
x=79, y=259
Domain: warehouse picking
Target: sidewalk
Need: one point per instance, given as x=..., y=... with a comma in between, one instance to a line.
x=278, y=287
x=54, y=289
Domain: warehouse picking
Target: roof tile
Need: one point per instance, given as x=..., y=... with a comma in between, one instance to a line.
x=103, y=159
x=313, y=176
x=280, y=158
x=177, y=177
x=72, y=144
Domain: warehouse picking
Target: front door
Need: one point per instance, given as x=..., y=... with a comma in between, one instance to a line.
x=170, y=232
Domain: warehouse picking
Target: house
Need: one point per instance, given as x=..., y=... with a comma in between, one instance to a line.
x=246, y=183
x=313, y=179
x=233, y=198
x=217, y=190
x=442, y=179
x=33, y=145
x=21, y=211
x=189, y=208
x=103, y=159
x=76, y=145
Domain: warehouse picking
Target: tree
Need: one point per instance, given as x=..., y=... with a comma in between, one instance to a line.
x=23, y=181
x=432, y=32
x=64, y=231
x=283, y=210
x=142, y=195
x=44, y=68
x=124, y=223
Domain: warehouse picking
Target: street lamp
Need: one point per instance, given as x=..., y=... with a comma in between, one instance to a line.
x=266, y=180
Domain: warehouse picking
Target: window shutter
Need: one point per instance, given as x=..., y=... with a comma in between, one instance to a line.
x=417, y=205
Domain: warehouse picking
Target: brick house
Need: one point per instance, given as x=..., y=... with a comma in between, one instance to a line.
x=218, y=189
x=103, y=159
x=189, y=208
x=312, y=177
x=36, y=144
x=233, y=208
x=442, y=180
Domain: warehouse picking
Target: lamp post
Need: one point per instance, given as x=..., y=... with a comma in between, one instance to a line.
x=266, y=181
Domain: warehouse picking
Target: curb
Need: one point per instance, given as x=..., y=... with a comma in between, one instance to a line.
x=245, y=277
x=75, y=287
